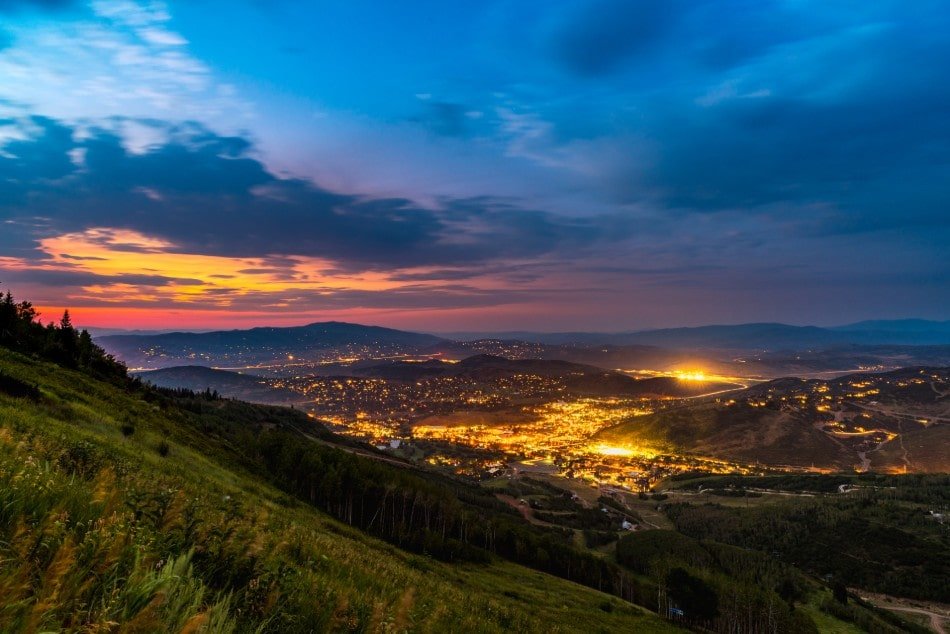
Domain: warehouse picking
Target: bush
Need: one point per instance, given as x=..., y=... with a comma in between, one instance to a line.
x=163, y=448
x=17, y=388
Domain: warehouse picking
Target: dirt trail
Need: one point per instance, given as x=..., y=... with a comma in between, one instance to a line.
x=888, y=412
x=940, y=394
x=936, y=620
x=526, y=511
x=900, y=438
x=939, y=613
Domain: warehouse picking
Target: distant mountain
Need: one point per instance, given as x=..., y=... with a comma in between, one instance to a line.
x=317, y=335
x=743, y=336
x=108, y=332
x=258, y=345
x=753, y=336
x=906, y=331
x=330, y=347
x=898, y=325
x=527, y=336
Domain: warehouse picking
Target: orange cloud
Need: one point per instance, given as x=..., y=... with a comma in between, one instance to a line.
x=192, y=277
x=183, y=289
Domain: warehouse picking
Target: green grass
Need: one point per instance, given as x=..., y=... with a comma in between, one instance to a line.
x=828, y=624
x=100, y=532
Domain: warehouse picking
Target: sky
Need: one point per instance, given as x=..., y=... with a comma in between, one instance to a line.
x=491, y=165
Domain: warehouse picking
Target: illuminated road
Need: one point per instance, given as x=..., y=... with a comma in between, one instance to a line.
x=726, y=391
x=914, y=417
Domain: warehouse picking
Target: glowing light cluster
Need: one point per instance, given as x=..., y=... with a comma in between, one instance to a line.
x=609, y=450
x=695, y=375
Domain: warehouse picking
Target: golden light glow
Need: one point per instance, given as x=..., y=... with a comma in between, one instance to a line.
x=609, y=450
x=695, y=375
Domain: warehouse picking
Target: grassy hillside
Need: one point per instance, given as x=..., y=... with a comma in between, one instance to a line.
x=120, y=514
x=741, y=433
x=892, y=422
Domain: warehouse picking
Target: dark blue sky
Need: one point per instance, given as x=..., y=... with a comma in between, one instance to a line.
x=473, y=165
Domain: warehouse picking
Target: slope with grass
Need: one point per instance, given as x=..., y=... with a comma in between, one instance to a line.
x=118, y=513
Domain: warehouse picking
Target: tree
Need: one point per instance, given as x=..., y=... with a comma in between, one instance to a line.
x=21, y=330
x=695, y=597
x=840, y=592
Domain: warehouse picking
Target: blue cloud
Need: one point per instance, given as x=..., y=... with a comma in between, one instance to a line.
x=206, y=194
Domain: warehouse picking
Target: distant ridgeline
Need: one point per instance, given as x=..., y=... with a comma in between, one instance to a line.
x=20, y=330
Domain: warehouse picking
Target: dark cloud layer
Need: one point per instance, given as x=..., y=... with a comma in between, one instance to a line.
x=69, y=279
x=834, y=115
x=599, y=36
x=205, y=193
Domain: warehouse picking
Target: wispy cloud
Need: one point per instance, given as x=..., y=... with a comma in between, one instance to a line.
x=119, y=59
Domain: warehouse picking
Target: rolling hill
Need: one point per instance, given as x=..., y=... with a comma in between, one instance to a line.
x=246, y=387
x=739, y=433
x=577, y=379
x=892, y=421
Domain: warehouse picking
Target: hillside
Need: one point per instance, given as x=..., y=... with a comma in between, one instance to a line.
x=129, y=504
x=246, y=387
x=893, y=422
x=739, y=433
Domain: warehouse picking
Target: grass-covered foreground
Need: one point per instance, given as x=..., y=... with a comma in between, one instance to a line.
x=114, y=516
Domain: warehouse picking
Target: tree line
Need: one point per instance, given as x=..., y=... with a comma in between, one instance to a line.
x=61, y=343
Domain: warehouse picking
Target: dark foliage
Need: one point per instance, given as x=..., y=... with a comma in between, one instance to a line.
x=687, y=590
x=18, y=389
x=21, y=330
x=879, y=539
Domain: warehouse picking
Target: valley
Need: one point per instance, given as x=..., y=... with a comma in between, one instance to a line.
x=624, y=493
